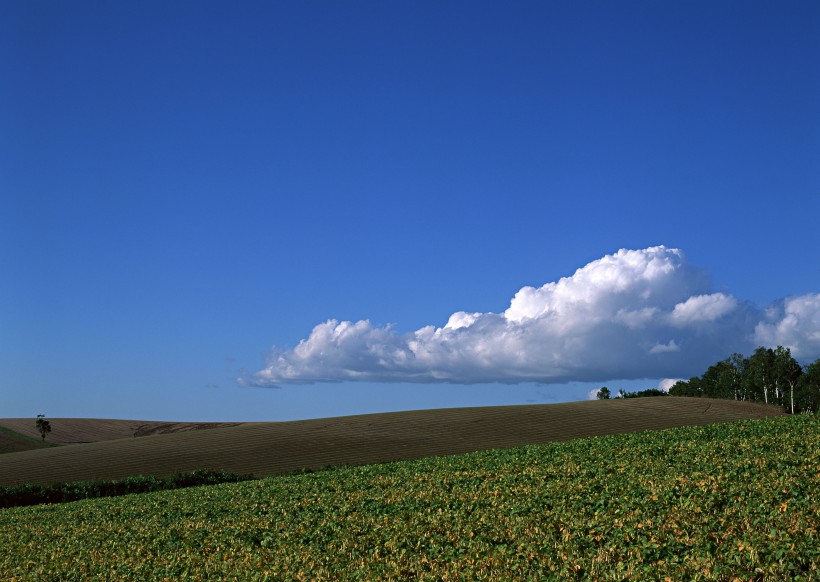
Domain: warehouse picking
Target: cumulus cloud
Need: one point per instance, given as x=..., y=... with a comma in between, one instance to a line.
x=793, y=322
x=633, y=314
x=706, y=308
x=666, y=383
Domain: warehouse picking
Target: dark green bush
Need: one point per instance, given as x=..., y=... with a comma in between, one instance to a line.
x=33, y=494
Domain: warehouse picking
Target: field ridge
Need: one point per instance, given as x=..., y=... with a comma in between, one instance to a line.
x=70, y=431
x=284, y=447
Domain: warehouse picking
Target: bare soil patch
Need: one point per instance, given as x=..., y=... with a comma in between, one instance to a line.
x=68, y=431
x=281, y=447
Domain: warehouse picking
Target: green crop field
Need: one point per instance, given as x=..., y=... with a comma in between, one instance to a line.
x=717, y=502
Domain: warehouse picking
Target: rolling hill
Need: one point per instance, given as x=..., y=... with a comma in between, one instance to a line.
x=12, y=441
x=281, y=447
x=69, y=431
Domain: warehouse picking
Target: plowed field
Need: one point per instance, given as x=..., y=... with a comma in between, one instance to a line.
x=275, y=448
x=11, y=442
x=69, y=431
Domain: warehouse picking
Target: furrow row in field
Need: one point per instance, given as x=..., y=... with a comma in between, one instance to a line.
x=275, y=448
x=67, y=431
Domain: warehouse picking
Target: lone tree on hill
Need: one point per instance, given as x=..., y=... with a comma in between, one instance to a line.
x=43, y=425
x=603, y=393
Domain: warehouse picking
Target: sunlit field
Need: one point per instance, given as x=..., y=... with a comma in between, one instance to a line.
x=724, y=501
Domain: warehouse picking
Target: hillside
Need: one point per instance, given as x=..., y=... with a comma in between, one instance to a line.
x=731, y=501
x=12, y=441
x=68, y=431
x=281, y=447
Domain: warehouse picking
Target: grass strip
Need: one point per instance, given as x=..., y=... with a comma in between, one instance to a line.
x=12, y=441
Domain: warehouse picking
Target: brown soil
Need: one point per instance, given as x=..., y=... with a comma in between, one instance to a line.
x=12, y=442
x=69, y=431
x=275, y=448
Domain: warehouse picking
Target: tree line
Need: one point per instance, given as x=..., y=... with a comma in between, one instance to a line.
x=603, y=393
x=771, y=376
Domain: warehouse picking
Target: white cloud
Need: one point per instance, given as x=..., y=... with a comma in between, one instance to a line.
x=634, y=314
x=793, y=322
x=664, y=348
x=461, y=319
x=667, y=383
x=703, y=308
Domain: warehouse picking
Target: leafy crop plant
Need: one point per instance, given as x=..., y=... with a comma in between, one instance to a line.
x=718, y=502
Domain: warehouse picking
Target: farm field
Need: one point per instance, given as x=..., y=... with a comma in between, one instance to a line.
x=718, y=502
x=12, y=442
x=69, y=431
x=283, y=447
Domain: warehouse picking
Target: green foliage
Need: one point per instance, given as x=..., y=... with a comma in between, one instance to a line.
x=32, y=494
x=686, y=388
x=11, y=441
x=771, y=376
x=603, y=393
x=642, y=393
x=807, y=391
x=718, y=502
x=43, y=426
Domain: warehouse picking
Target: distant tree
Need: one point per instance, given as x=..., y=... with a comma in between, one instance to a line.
x=43, y=425
x=738, y=364
x=686, y=388
x=680, y=388
x=770, y=375
x=642, y=393
x=787, y=373
x=807, y=390
x=760, y=373
x=603, y=393
x=716, y=381
x=652, y=392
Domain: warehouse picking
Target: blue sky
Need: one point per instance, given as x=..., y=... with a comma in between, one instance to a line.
x=186, y=185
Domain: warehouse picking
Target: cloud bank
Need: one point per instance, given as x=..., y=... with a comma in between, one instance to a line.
x=633, y=314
